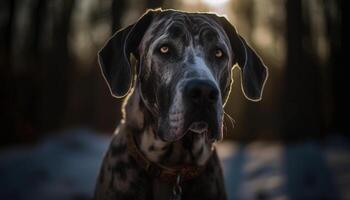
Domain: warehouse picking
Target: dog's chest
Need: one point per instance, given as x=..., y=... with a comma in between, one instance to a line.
x=192, y=149
x=121, y=177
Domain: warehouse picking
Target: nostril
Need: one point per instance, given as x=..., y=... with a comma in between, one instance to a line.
x=213, y=95
x=195, y=93
x=201, y=91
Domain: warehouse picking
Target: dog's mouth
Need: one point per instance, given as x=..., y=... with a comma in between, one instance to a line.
x=199, y=127
x=199, y=124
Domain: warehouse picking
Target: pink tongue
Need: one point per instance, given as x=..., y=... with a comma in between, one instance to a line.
x=199, y=127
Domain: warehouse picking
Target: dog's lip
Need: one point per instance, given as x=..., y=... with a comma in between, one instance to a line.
x=200, y=127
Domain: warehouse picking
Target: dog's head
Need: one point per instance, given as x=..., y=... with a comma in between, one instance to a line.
x=183, y=72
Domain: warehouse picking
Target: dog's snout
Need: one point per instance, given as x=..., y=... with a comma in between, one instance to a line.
x=201, y=92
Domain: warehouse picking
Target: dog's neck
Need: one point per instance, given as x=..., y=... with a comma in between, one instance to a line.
x=175, y=153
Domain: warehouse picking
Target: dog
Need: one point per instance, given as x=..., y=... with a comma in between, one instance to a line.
x=164, y=146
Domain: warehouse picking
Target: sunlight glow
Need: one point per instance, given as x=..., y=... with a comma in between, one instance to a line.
x=215, y=3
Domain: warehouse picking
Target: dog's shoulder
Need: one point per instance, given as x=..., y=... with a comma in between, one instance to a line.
x=117, y=153
x=119, y=137
x=119, y=172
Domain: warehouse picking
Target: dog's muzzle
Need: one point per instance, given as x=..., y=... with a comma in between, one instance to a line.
x=201, y=97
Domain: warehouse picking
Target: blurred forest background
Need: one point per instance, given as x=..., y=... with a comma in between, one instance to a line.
x=50, y=79
x=57, y=115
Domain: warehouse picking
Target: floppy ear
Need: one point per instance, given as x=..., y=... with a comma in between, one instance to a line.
x=114, y=57
x=254, y=72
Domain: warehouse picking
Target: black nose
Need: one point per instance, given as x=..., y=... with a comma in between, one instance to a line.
x=201, y=92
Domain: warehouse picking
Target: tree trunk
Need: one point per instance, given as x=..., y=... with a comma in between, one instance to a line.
x=118, y=9
x=301, y=103
x=333, y=11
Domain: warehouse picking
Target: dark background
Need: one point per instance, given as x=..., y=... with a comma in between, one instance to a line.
x=50, y=80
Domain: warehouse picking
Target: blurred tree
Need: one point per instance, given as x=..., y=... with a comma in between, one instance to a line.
x=333, y=11
x=301, y=94
x=118, y=9
x=55, y=59
x=154, y=3
x=7, y=94
x=36, y=65
x=245, y=9
x=305, y=88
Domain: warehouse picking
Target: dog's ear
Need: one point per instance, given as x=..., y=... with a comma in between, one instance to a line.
x=254, y=72
x=114, y=57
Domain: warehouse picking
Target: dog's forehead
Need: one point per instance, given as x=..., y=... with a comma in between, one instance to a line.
x=189, y=21
x=184, y=23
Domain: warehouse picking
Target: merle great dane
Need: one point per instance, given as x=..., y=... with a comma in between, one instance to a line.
x=164, y=147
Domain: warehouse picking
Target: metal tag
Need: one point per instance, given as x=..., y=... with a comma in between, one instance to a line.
x=177, y=190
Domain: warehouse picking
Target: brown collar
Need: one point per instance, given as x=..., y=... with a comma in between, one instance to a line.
x=166, y=174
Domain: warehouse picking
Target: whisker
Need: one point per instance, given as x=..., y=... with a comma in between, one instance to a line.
x=233, y=122
x=225, y=129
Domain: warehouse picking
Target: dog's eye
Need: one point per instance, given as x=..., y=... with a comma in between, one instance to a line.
x=218, y=53
x=164, y=49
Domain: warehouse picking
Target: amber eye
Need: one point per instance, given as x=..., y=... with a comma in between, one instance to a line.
x=164, y=49
x=218, y=53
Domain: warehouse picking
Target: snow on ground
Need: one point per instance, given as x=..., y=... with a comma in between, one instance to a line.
x=60, y=167
x=310, y=170
x=65, y=167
